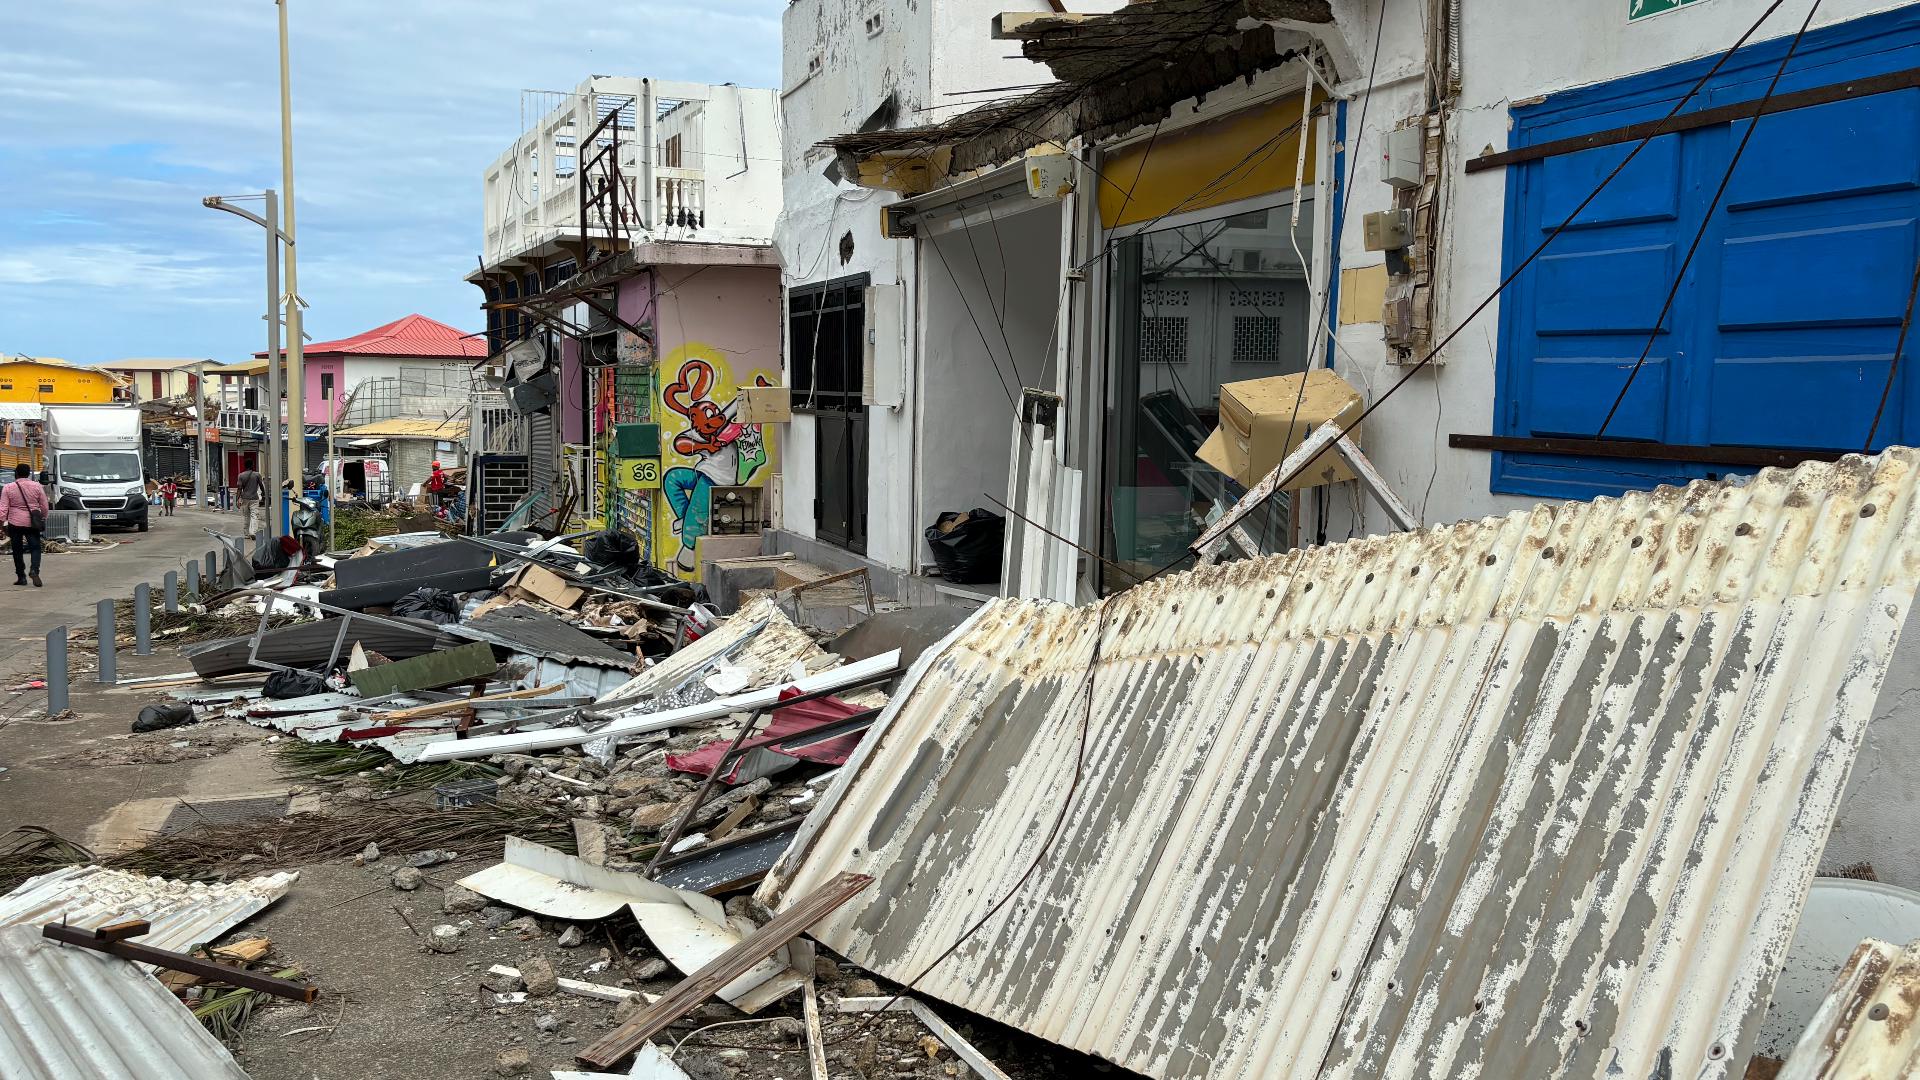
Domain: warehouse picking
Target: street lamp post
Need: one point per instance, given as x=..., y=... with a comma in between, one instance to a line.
x=200, y=470
x=296, y=350
x=274, y=238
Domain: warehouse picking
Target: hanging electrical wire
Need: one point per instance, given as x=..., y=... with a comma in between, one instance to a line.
x=1706, y=221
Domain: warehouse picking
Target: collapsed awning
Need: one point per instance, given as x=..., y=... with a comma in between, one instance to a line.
x=1116, y=72
x=1534, y=795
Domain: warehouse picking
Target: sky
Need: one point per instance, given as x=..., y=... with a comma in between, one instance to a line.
x=118, y=116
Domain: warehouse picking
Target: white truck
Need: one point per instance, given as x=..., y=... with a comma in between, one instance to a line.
x=93, y=457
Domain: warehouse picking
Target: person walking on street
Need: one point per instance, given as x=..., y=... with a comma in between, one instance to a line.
x=169, y=494
x=23, y=506
x=251, y=490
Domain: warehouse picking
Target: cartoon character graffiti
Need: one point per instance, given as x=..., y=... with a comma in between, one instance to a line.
x=726, y=453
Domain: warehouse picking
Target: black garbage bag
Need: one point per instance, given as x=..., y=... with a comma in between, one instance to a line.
x=159, y=717
x=433, y=605
x=292, y=684
x=967, y=546
x=269, y=556
x=612, y=549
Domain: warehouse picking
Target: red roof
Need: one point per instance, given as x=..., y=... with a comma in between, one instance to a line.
x=414, y=335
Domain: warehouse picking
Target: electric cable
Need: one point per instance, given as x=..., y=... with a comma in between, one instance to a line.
x=1706, y=220
x=1893, y=366
x=1282, y=481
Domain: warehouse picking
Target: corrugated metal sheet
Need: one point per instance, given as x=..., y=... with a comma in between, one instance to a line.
x=67, y=1013
x=408, y=428
x=758, y=638
x=182, y=913
x=1867, y=1026
x=523, y=628
x=1535, y=795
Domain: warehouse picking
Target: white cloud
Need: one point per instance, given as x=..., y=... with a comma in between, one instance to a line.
x=116, y=116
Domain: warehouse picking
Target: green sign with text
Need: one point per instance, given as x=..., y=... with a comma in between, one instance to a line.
x=1641, y=9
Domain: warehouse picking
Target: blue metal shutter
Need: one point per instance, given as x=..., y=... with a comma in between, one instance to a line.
x=1781, y=333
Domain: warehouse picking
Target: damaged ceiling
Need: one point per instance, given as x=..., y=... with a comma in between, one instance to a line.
x=1535, y=795
x=1116, y=73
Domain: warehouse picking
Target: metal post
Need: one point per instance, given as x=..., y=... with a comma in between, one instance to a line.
x=274, y=360
x=296, y=345
x=202, y=475
x=103, y=626
x=213, y=570
x=143, y=619
x=193, y=579
x=170, y=590
x=56, y=671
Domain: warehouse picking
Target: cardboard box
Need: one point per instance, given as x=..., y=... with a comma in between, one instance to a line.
x=1258, y=426
x=540, y=583
x=765, y=405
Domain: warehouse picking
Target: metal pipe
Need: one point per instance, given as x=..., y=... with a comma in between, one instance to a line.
x=274, y=437
x=200, y=471
x=296, y=349
x=57, y=671
x=104, y=630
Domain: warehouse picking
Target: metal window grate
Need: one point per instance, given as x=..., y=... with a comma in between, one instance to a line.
x=1256, y=339
x=1163, y=339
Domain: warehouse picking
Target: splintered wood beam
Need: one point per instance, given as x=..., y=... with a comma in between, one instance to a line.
x=618, y=1044
x=112, y=940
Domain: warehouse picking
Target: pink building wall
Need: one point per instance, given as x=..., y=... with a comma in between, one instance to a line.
x=312, y=369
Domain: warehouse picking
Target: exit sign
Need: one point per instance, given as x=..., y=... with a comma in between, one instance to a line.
x=1642, y=9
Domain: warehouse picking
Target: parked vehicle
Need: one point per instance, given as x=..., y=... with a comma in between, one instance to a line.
x=94, y=456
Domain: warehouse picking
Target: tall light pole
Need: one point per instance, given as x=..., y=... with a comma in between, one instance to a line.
x=274, y=239
x=200, y=470
x=296, y=351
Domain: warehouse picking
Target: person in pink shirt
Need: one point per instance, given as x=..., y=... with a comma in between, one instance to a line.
x=23, y=506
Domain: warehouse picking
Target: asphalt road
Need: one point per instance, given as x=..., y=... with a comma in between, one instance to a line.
x=76, y=581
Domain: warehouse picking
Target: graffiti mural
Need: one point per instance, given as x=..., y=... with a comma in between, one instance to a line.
x=705, y=448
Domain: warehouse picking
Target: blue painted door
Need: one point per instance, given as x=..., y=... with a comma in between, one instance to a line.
x=1784, y=326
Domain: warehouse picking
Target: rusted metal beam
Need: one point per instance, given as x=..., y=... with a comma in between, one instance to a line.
x=622, y=1041
x=112, y=940
x=1781, y=456
x=1724, y=114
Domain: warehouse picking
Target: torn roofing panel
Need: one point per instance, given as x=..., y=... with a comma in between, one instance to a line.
x=67, y=1012
x=523, y=628
x=182, y=913
x=1866, y=1026
x=1532, y=795
x=758, y=637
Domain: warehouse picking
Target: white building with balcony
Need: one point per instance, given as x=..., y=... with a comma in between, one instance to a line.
x=628, y=250
x=694, y=163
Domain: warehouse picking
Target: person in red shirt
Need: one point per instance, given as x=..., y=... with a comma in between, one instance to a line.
x=20, y=502
x=169, y=492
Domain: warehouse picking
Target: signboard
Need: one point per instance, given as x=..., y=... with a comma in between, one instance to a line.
x=1642, y=9
x=637, y=474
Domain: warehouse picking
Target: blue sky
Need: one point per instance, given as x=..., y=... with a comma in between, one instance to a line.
x=117, y=116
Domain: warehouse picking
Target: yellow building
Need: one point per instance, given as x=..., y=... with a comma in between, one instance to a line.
x=37, y=381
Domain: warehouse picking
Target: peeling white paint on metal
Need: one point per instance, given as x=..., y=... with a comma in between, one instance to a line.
x=1867, y=1026
x=68, y=1012
x=758, y=637
x=182, y=913
x=1533, y=795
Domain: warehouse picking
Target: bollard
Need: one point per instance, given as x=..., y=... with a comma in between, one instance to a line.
x=170, y=586
x=213, y=570
x=56, y=671
x=193, y=580
x=103, y=625
x=143, y=619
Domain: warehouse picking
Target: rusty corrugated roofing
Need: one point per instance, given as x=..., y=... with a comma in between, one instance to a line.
x=1867, y=1025
x=1535, y=795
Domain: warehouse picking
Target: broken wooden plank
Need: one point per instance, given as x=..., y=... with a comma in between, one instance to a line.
x=111, y=940
x=624, y=1040
x=941, y=1030
x=244, y=952
x=429, y=672
x=803, y=957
